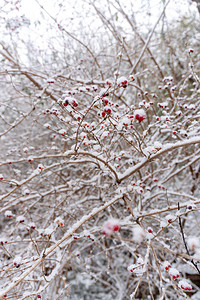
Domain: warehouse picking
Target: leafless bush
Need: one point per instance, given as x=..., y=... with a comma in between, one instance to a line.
x=99, y=155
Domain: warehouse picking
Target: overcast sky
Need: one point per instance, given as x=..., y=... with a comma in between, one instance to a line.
x=73, y=13
x=175, y=7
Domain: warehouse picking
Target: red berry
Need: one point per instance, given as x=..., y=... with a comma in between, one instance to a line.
x=66, y=103
x=139, y=118
x=105, y=101
x=107, y=110
x=74, y=103
x=116, y=227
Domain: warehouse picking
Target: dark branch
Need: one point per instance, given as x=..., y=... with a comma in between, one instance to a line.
x=185, y=244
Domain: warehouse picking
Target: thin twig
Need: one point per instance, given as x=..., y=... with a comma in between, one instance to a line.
x=185, y=244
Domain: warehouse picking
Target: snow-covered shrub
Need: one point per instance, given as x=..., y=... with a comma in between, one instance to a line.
x=99, y=161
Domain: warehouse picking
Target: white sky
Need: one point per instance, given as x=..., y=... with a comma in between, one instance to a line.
x=31, y=9
x=71, y=17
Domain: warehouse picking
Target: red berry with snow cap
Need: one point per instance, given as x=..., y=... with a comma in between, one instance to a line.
x=166, y=265
x=116, y=227
x=150, y=230
x=107, y=110
x=108, y=82
x=174, y=273
x=122, y=81
x=140, y=115
x=8, y=214
x=111, y=226
x=184, y=285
